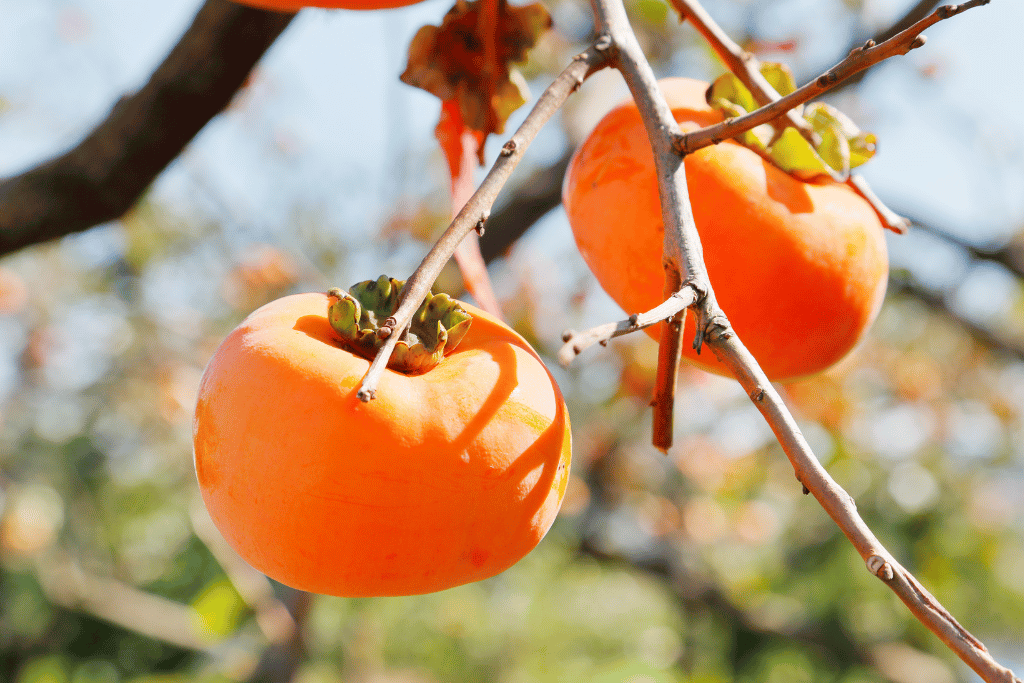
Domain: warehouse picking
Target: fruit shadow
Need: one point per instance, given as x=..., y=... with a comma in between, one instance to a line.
x=537, y=455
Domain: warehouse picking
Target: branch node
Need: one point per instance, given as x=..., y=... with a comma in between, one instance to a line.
x=880, y=568
x=757, y=396
x=366, y=395
x=508, y=148
x=603, y=42
x=567, y=335
x=633, y=319
x=716, y=328
x=918, y=42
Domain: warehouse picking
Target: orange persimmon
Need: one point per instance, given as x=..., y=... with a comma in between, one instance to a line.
x=446, y=477
x=800, y=268
x=296, y=5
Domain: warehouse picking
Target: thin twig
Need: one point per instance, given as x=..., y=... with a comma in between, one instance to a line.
x=479, y=205
x=747, y=68
x=920, y=10
x=859, y=59
x=742, y=63
x=578, y=342
x=890, y=219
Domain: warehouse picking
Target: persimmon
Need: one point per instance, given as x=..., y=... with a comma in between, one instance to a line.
x=296, y=5
x=450, y=475
x=799, y=267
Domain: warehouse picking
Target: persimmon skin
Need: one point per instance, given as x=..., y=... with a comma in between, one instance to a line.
x=800, y=268
x=445, y=478
x=296, y=5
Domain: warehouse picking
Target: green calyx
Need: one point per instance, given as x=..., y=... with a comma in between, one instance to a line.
x=363, y=318
x=841, y=144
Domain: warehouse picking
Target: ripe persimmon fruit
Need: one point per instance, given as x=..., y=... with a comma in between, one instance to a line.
x=448, y=476
x=800, y=268
x=296, y=5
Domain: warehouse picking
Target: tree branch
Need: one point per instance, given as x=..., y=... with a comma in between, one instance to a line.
x=919, y=11
x=682, y=256
x=747, y=68
x=859, y=59
x=684, y=266
x=743, y=64
x=106, y=173
x=578, y=342
x=838, y=504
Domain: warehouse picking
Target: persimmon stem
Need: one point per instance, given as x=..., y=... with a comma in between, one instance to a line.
x=666, y=380
x=478, y=207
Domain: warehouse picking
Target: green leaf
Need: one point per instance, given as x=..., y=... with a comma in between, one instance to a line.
x=793, y=154
x=730, y=96
x=827, y=120
x=842, y=144
x=835, y=150
x=654, y=12
x=219, y=609
x=779, y=76
x=862, y=148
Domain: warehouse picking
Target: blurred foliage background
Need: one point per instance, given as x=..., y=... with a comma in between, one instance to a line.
x=703, y=566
